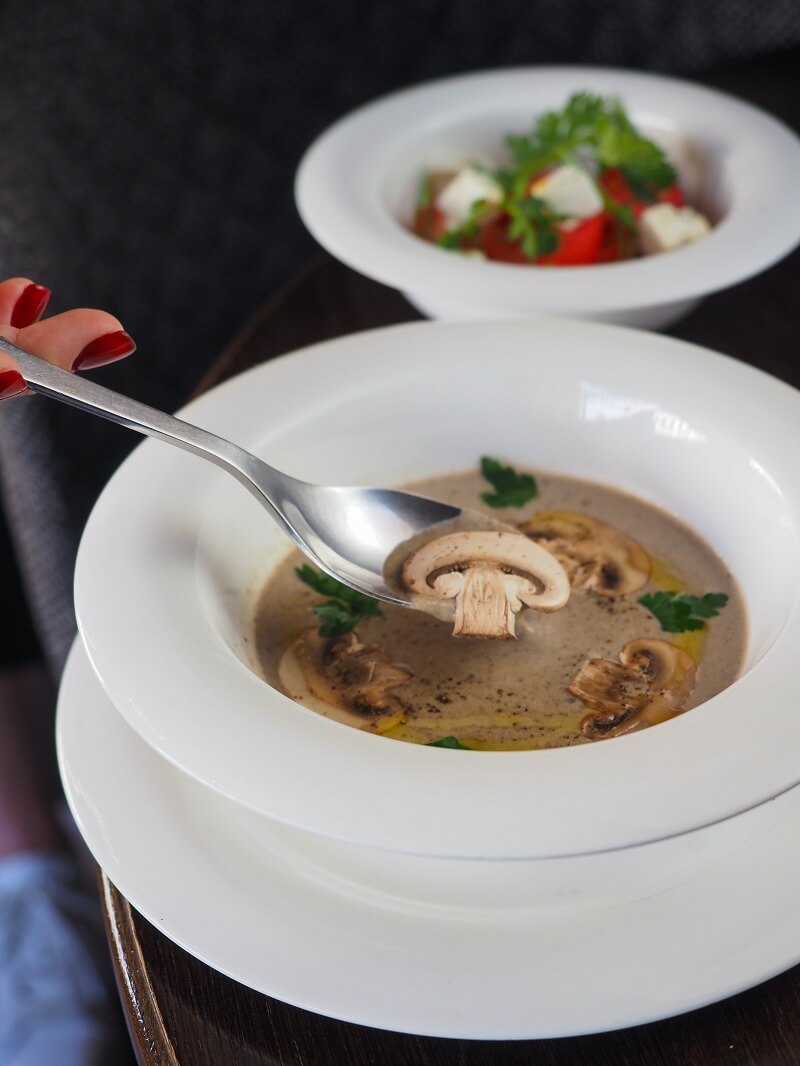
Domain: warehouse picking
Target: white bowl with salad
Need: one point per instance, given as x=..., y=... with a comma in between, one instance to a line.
x=583, y=192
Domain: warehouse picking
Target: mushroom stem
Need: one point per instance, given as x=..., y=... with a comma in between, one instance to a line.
x=483, y=606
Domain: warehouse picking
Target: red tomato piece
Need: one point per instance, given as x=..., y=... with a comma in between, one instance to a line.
x=494, y=242
x=673, y=194
x=429, y=223
x=579, y=245
x=610, y=250
x=615, y=184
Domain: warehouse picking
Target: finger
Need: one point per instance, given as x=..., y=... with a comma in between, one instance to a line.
x=78, y=340
x=22, y=301
x=73, y=340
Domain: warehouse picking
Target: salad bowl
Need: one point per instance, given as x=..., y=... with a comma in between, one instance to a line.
x=357, y=185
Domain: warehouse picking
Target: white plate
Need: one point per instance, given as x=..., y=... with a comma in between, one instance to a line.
x=175, y=551
x=195, y=866
x=357, y=185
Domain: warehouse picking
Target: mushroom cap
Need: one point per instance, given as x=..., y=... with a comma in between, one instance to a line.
x=670, y=671
x=594, y=554
x=344, y=679
x=650, y=683
x=435, y=568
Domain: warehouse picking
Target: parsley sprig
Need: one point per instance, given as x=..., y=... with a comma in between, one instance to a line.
x=590, y=128
x=447, y=742
x=532, y=222
x=510, y=488
x=679, y=612
x=344, y=608
x=454, y=238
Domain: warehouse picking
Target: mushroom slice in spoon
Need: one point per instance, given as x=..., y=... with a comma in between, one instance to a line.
x=345, y=679
x=650, y=684
x=595, y=555
x=490, y=575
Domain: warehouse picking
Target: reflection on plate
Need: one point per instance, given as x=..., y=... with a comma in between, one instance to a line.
x=196, y=865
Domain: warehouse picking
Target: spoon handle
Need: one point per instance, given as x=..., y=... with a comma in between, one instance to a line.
x=87, y=395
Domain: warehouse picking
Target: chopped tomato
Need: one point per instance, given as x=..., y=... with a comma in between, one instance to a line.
x=429, y=223
x=615, y=184
x=579, y=245
x=610, y=250
x=673, y=194
x=494, y=242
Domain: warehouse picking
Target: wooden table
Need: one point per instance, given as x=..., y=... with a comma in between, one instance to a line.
x=181, y=1011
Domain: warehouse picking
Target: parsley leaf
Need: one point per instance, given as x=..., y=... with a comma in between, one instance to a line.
x=424, y=193
x=620, y=211
x=619, y=144
x=681, y=613
x=511, y=489
x=556, y=136
x=533, y=224
x=453, y=238
x=345, y=607
x=447, y=742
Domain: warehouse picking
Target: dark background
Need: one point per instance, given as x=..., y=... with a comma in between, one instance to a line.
x=147, y=165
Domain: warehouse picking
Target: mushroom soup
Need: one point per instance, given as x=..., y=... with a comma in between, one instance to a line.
x=623, y=618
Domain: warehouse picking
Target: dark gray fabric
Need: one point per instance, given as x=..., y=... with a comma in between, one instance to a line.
x=148, y=154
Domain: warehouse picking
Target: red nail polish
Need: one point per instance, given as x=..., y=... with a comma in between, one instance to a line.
x=106, y=349
x=12, y=383
x=30, y=306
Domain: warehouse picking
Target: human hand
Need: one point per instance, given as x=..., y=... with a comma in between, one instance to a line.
x=74, y=340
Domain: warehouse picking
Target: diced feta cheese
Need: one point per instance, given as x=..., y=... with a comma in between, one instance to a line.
x=663, y=227
x=568, y=191
x=457, y=197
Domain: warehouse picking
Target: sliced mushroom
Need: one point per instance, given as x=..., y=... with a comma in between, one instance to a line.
x=595, y=555
x=345, y=679
x=491, y=576
x=650, y=684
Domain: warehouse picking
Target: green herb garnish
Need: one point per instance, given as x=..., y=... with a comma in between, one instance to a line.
x=344, y=608
x=447, y=742
x=556, y=137
x=589, y=125
x=533, y=225
x=679, y=613
x=453, y=239
x=424, y=193
x=619, y=144
x=511, y=489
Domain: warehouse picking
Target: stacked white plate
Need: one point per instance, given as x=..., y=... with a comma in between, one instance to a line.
x=447, y=893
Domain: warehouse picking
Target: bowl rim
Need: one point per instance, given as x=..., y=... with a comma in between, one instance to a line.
x=760, y=155
x=157, y=658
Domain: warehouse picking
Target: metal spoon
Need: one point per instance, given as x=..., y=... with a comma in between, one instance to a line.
x=347, y=532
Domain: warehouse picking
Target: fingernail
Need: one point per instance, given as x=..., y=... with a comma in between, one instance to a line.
x=30, y=306
x=106, y=349
x=12, y=383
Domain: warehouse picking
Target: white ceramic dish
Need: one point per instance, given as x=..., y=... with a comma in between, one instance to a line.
x=209, y=875
x=357, y=184
x=175, y=552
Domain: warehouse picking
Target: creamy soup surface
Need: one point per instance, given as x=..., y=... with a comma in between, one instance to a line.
x=514, y=694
